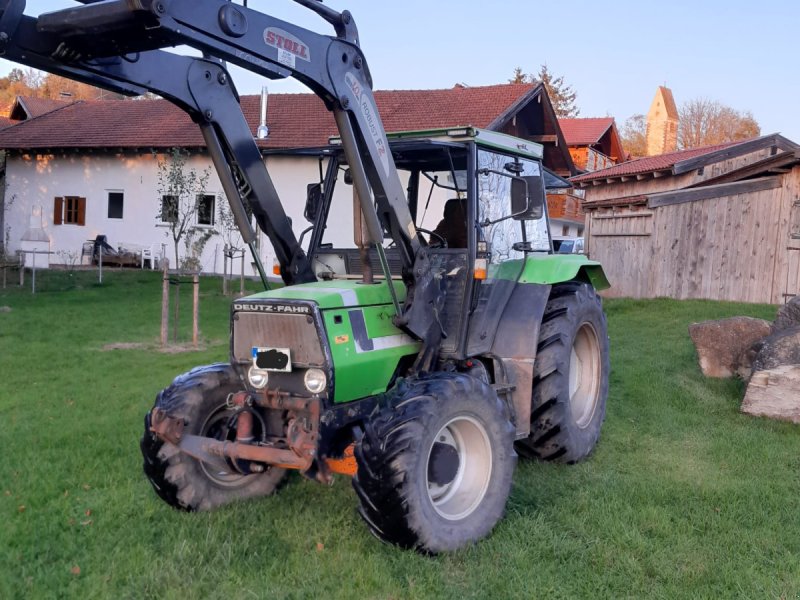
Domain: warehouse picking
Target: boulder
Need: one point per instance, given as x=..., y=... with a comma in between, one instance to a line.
x=4, y=309
x=788, y=315
x=774, y=393
x=722, y=345
x=777, y=349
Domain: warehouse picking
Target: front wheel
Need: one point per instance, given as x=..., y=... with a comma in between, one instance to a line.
x=435, y=467
x=183, y=482
x=570, y=379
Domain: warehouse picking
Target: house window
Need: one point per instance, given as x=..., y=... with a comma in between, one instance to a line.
x=205, y=209
x=115, y=203
x=580, y=231
x=565, y=230
x=69, y=210
x=169, y=209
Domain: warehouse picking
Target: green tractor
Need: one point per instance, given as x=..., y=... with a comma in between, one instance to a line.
x=321, y=373
x=426, y=334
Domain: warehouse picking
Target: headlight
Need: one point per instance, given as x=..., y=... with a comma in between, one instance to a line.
x=258, y=378
x=315, y=380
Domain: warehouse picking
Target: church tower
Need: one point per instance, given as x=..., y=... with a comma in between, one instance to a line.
x=662, y=123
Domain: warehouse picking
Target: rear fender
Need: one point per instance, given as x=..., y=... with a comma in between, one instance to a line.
x=558, y=268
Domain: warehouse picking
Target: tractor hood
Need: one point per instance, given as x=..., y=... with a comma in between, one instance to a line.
x=341, y=293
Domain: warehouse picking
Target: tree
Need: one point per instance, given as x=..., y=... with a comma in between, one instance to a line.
x=30, y=82
x=634, y=135
x=703, y=122
x=234, y=246
x=60, y=88
x=519, y=76
x=561, y=94
x=182, y=192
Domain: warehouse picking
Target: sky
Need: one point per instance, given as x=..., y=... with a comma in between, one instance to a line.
x=614, y=54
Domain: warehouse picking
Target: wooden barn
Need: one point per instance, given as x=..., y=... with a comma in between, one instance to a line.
x=721, y=222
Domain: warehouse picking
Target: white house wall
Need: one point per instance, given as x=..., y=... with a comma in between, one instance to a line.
x=33, y=181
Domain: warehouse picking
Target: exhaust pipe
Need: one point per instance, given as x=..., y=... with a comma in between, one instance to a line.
x=263, y=130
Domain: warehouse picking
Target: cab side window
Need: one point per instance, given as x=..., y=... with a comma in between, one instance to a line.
x=494, y=202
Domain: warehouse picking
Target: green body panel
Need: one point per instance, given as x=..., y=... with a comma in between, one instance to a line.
x=337, y=294
x=551, y=268
x=360, y=369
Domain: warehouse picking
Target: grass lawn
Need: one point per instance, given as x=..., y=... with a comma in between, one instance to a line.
x=684, y=496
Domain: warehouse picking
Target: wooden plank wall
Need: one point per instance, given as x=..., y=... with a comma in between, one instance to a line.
x=786, y=279
x=722, y=248
x=734, y=247
x=621, y=239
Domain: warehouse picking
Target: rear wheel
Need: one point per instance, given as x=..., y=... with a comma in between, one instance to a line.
x=435, y=468
x=199, y=398
x=570, y=382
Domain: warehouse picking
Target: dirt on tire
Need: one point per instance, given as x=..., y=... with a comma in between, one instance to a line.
x=183, y=482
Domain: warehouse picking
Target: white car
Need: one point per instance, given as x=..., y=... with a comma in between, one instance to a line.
x=568, y=245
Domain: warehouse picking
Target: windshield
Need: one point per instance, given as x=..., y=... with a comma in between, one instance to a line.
x=431, y=176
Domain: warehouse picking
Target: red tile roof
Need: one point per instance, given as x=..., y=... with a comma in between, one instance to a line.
x=649, y=164
x=35, y=107
x=584, y=132
x=295, y=120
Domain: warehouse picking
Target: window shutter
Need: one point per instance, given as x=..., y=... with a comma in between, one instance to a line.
x=81, y=211
x=58, y=211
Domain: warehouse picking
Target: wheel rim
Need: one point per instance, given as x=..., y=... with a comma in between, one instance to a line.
x=461, y=495
x=584, y=375
x=216, y=426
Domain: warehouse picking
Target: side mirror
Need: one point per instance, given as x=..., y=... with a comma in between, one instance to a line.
x=313, y=201
x=527, y=198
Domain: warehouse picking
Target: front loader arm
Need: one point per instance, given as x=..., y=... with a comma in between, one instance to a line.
x=116, y=44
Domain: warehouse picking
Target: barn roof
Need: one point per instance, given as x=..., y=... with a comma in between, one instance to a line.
x=683, y=161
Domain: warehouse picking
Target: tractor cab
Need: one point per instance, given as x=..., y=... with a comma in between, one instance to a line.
x=476, y=196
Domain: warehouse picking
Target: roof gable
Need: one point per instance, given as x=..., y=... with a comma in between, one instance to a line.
x=29, y=107
x=585, y=132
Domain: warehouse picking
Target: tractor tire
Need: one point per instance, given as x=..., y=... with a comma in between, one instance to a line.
x=182, y=481
x=435, y=467
x=570, y=378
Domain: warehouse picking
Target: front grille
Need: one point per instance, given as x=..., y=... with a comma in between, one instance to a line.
x=273, y=330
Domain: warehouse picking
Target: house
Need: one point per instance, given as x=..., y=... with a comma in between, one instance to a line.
x=91, y=167
x=593, y=144
x=720, y=222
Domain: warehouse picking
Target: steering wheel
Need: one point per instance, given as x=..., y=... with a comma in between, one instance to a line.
x=432, y=234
